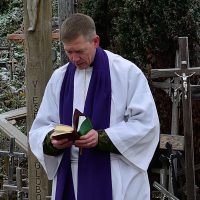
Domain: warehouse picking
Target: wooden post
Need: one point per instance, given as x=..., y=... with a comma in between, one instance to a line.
x=175, y=101
x=38, y=44
x=187, y=121
x=65, y=9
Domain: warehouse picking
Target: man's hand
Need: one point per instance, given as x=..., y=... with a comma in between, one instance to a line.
x=87, y=141
x=61, y=144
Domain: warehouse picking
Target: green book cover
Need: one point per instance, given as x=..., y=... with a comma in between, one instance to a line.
x=84, y=125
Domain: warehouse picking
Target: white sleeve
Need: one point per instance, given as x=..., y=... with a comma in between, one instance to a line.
x=136, y=137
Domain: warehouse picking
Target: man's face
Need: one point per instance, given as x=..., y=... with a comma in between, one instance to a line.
x=81, y=52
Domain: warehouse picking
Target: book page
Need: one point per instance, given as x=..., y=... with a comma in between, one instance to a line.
x=80, y=121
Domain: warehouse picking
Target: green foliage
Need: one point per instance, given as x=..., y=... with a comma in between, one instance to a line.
x=146, y=31
x=11, y=17
x=11, y=98
x=3, y=5
x=12, y=94
x=55, y=8
x=99, y=11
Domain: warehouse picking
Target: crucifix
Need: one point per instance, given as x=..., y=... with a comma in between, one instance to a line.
x=184, y=73
x=33, y=9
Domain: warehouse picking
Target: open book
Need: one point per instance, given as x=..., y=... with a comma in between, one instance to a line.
x=82, y=125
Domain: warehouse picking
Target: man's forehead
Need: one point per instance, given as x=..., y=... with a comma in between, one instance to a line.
x=75, y=47
x=78, y=43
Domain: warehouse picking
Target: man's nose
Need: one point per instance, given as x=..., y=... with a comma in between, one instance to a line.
x=74, y=57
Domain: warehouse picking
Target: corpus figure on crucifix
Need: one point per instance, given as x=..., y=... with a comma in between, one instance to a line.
x=185, y=85
x=32, y=8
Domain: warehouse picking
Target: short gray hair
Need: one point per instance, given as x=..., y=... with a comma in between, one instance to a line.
x=76, y=25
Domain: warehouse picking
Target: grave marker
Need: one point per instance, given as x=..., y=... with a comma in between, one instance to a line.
x=184, y=72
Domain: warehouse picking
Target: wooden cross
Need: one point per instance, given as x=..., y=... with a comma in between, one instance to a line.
x=11, y=154
x=19, y=37
x=18, y=187
x=172, y=87
x=38, y=70
x=184, y=72
x=8, y=185
x=12, y=64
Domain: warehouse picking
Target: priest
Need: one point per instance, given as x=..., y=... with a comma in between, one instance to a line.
x=110, y=161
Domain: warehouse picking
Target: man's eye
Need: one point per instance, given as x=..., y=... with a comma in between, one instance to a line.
x=80, y=52
x=77, y=52
x=68, y=52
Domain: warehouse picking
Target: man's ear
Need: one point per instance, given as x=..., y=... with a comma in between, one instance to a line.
x=96, y=41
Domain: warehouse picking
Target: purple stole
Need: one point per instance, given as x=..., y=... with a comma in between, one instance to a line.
x=94, y=170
